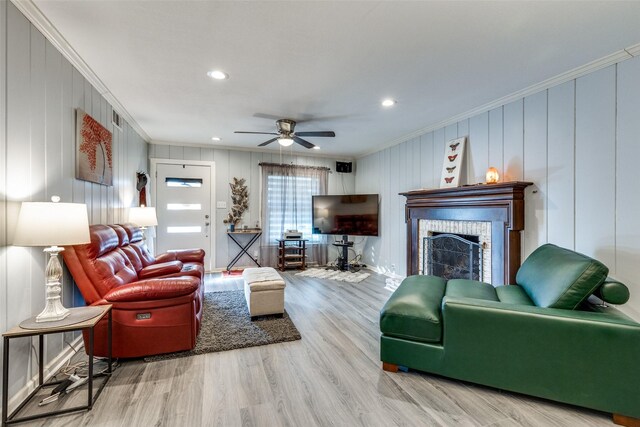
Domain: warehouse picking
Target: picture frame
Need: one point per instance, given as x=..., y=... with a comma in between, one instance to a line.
x=452, y=163
x=94, y=148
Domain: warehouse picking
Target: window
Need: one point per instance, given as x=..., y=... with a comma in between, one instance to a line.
x=184, y=207
x=286, y=192
x=289, y=205
x=183, y=182
x=187, y=229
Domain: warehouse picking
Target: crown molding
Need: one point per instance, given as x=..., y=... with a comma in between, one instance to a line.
x=634, y=50
x=37, y=18
x=598, y=64
x=285, y=152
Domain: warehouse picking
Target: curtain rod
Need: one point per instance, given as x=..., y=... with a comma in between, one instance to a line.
x=284, y=165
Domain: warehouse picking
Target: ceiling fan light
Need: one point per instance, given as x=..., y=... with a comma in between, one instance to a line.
x=216, y=138
x=388, y=102
x=218, y=75
x=316, y=147
x=285, y=142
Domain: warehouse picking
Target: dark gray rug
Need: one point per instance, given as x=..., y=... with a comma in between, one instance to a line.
x=226, y=325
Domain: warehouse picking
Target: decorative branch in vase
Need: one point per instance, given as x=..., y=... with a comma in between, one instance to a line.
x=240, y=202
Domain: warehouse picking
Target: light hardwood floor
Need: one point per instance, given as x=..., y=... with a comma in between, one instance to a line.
x=332, y=376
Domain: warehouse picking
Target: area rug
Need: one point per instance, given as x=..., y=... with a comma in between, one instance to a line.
x=340, y=276
x=234, y=273
x=226, y=325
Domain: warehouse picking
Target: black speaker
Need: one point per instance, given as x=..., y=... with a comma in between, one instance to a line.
x=343, y=167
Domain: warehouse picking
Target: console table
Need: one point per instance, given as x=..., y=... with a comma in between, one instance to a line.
x=80, y=318
x=244, y=247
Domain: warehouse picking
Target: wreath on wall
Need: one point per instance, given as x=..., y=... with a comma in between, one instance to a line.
x=239, y=200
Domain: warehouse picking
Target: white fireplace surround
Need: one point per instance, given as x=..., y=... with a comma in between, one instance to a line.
x=482, y=229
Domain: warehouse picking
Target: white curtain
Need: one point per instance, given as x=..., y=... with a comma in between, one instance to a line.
x=286, y=205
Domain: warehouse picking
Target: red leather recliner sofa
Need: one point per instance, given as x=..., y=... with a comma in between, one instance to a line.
x=157, y=301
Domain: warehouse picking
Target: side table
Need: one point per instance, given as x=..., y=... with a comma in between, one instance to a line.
x=80, y=318
x=292, y=253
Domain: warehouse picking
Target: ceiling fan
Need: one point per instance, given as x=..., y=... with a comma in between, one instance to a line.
x=286, y=135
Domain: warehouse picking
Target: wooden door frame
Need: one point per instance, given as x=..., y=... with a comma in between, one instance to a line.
x=212, y=169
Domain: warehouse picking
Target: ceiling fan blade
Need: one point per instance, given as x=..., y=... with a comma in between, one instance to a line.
x=267, y=142
x=317, y=133
x=302, y=142
x=257, y=133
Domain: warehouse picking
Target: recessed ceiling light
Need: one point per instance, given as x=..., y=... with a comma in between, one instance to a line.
x=216, y=138
x=388, y=103
x=218, y=75
x=316, y=147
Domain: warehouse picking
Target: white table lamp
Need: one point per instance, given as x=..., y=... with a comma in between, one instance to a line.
x=143, y=216
x=52, y=224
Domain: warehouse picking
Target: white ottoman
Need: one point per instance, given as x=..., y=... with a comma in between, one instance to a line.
x=264, y=291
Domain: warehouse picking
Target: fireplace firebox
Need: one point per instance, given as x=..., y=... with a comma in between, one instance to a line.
x=452, y=256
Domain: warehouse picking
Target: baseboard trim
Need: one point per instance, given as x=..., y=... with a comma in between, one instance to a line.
x=49, y=370
x=384, y=271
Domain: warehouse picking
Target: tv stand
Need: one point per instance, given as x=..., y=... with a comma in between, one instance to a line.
x=343, y=261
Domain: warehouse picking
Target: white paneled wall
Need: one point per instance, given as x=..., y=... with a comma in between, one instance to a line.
x=245, y=164
x=535, y=170
x=39, y=92
x=627, y=196
x=579, y=143
x=3, y=162
x=561, y=165
x=595, y=159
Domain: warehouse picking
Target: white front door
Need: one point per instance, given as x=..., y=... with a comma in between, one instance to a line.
x=183, y=204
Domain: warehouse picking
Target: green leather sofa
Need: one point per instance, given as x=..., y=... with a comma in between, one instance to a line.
x=540, y=337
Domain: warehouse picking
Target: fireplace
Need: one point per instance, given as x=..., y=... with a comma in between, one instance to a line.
x=490, y=216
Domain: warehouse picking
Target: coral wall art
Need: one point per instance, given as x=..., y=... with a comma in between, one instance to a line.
x=93, y=156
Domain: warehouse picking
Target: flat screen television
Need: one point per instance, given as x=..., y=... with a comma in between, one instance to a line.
x=349, y=214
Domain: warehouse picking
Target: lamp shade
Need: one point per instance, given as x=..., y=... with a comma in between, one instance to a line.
x=143, y=216
x=52, y=224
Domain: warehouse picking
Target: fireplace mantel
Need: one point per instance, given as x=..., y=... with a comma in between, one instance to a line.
x=502, y=204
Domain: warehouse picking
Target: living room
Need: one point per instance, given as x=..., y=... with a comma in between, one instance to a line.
x=549, y=96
